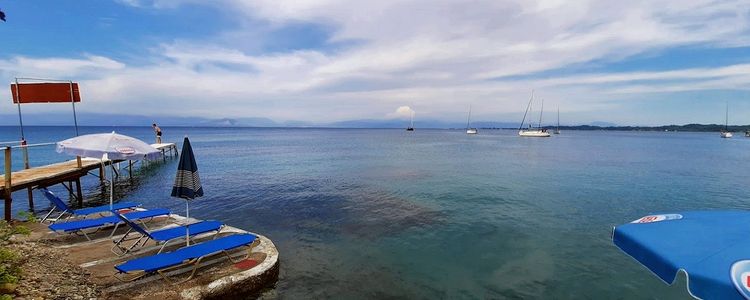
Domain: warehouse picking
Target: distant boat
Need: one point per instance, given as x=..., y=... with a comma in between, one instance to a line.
x=531, y=131
x=469, y=129
x=747, y=133
x=725, y=133
x=411, y=123
x=557, y=130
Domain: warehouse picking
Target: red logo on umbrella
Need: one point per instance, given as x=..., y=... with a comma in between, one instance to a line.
x=740, y=273
x=125, y=150
x=658, y=218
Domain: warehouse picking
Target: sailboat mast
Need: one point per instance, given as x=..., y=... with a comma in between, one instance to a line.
x=558, y=119
x=411, y=123
x=541, y=111
x=726, y=119
x=527, y=110
x=468, y=120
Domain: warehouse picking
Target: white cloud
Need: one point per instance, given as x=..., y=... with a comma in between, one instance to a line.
x=436, y=55
x=402, y=112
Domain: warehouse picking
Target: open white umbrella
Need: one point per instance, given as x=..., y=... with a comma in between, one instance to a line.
x=108, y=146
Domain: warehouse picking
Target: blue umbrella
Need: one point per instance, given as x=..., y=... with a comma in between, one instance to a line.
x=711, y=247
x=187, y=183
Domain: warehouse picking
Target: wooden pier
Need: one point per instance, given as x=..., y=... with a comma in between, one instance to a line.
x=165, y=148
x=58, y=173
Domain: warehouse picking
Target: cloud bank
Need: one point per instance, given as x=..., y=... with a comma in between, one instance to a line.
x=436, y=56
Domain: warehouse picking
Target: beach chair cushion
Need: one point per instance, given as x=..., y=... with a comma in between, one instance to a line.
x=160, y=261
x=178, y=232
x=105, y=208
x=60, y=204
x=109, y=220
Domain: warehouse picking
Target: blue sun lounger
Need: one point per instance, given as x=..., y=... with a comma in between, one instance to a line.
x=80, y=226
x=191, y=255
x=58, y=204
x=163, y=236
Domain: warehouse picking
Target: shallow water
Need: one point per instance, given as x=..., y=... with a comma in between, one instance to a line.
x=379, y=213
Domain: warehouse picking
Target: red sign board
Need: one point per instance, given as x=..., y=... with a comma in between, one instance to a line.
x=45, y=93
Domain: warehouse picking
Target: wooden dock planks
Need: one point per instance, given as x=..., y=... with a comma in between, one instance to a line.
x=50, y=173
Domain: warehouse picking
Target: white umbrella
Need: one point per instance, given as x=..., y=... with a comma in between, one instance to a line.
x=108, y=146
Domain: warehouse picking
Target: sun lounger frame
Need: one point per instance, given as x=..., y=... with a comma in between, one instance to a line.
x=195, y=262
x=145, y=236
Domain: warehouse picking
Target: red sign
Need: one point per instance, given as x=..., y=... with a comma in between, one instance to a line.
x=45, y=93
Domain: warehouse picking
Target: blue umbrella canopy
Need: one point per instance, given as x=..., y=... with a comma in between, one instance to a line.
x=711, y=247
x=187, y=183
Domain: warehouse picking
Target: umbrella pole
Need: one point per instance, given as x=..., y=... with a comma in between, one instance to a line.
x=187, y=228
x=104, y=167
x=111, y=187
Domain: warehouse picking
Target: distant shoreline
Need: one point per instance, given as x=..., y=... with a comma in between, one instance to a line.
x=684, y=128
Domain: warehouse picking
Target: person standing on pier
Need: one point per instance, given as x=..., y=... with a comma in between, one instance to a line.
x=157, y=130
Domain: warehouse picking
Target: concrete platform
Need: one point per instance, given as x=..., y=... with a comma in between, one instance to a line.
x=217, y=276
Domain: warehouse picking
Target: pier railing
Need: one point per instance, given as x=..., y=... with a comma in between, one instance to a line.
x=8, y=168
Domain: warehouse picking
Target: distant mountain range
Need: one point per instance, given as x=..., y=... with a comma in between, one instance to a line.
x=89, y=119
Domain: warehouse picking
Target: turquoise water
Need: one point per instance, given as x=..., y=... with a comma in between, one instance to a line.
x=360, y=213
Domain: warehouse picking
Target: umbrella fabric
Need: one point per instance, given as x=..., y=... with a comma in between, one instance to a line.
x=115, y=146
x=187, y=184
x=711, y=247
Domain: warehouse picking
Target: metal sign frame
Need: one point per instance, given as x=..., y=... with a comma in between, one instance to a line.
x=18, y=98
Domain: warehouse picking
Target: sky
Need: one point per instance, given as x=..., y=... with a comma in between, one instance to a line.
x=635, y=62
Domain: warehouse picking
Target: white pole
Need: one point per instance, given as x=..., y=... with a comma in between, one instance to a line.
x=187, y=229
x=111, y=186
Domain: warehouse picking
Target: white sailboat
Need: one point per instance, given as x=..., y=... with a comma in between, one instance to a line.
x=469, y=129
x=531, y=131
x=725, y=133
x=411, y=123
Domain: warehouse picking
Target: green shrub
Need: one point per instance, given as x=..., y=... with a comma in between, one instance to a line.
x=10, y=262
x=28, y=216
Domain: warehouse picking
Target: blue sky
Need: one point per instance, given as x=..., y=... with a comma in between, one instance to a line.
x=634, y=63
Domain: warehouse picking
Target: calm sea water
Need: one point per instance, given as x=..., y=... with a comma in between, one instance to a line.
x=360, y=213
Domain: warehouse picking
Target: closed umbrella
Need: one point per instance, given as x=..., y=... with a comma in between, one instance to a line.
x=187, y=183
x=108, y=146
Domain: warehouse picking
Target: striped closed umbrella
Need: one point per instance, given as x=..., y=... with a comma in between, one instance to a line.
x=187, y=183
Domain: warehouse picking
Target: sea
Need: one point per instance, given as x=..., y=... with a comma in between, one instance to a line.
x=435, y=214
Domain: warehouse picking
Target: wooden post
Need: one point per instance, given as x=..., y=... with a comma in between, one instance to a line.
x=71, y=197
x=78, y=191
x=101, y=174
x=7, y=196
x=26, y=165
x=25, y=154
x=130, y=169
x=78, y=162
x=29, y=192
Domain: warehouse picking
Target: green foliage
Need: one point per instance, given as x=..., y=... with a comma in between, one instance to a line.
x=6, y=297
x=28, y=216
x=10, y=262
x=7, y=231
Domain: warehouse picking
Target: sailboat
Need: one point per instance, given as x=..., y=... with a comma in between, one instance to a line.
x=725, y=133
x=469, y=129
x=531, y=131
x=411, y=123
x=557, y=130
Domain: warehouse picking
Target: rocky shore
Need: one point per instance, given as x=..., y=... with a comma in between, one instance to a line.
x=48, y=274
